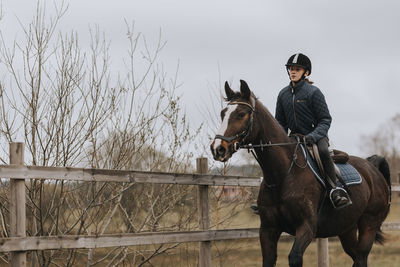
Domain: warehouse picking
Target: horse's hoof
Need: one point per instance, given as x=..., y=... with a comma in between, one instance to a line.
x=255, y=209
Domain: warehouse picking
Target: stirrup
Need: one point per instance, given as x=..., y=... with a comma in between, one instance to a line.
x=343, y=193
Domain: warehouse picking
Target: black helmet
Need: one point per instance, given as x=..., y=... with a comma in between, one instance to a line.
x=300, y=60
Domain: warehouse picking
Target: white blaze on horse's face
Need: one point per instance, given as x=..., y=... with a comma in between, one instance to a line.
x=216, y=145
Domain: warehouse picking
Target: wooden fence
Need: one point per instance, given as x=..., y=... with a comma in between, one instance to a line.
x=17, y=244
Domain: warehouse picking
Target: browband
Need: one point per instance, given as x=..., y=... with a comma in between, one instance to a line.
x=242, y=103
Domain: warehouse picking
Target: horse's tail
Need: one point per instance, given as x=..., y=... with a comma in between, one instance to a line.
x=383, y=166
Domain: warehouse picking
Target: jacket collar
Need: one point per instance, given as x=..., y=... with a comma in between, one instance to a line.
x=297, y=86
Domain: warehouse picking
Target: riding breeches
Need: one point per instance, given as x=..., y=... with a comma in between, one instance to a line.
x=329, y=168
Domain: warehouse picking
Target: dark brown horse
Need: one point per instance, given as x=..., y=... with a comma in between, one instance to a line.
x=290, y=198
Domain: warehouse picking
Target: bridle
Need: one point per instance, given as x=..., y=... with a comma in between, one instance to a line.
x=240, y=137
x=245, y=133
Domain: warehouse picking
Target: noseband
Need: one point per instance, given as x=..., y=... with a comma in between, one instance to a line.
x=242, y=135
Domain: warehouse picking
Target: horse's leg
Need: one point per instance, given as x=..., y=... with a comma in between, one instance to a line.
x=304, y=236
x=366, y=238
x=269, y=240
x=358, y=249
x=350, y=245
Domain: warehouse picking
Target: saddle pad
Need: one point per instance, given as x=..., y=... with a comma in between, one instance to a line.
x=349, y=174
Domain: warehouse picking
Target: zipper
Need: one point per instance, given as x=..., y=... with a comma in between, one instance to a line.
x=294, y=112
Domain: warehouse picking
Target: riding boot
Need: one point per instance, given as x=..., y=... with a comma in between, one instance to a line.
x=337, y=195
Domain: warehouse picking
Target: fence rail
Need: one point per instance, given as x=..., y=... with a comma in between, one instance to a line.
x=128, y=239
x=18, y=243
x=103, y=175
x=120, y=240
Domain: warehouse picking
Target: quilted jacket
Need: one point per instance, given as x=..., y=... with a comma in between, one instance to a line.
x=302, y=109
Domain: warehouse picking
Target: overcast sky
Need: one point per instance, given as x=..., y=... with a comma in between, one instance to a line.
x=353, y=46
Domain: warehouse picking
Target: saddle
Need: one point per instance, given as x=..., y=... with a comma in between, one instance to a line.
x=338, y=157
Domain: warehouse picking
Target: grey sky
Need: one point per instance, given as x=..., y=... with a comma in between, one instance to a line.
x=353, y=46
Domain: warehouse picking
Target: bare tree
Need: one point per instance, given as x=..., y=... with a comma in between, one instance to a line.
x=62, y=101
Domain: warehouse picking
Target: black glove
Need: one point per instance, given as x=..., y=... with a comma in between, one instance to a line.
x=309, y=140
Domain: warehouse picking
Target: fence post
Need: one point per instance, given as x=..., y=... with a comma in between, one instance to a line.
x=17, y=204
x=203, y=213
x=323, y=252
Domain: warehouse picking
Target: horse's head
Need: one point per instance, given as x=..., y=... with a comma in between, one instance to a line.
x=237, y=121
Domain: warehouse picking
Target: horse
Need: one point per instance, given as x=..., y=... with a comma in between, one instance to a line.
x=290, y=199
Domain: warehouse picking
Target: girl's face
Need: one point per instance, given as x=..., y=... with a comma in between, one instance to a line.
x=295, y=73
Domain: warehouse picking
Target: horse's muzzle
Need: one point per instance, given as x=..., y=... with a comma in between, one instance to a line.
x=222, y=150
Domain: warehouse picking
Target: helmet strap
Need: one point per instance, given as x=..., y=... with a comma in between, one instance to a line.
x=303, y=77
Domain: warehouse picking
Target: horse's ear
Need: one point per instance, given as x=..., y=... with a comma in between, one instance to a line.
x=229, y=92
x=244, y=90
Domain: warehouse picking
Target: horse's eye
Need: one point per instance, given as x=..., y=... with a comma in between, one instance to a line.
x=241, y=114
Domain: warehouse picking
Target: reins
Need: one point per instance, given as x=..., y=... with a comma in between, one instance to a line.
x=251, y=147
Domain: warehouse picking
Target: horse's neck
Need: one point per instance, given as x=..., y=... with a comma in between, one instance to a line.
x=269, y=128
x=275, y=160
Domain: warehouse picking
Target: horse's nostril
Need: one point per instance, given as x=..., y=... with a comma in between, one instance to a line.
x=220, y=150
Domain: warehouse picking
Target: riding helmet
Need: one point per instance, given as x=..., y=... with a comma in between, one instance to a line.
x=300, y=60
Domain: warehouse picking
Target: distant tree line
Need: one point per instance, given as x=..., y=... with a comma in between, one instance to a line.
x=385, y=141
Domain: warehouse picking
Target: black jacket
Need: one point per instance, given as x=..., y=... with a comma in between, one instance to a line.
x=303, y=110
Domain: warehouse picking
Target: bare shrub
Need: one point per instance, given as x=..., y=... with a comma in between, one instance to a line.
x=64, y=103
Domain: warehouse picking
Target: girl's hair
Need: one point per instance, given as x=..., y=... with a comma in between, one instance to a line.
x=309, y=81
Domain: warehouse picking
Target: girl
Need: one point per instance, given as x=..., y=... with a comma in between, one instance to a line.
x=301, y=109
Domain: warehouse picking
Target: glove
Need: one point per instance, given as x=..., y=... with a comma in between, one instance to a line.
x=309, y=140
